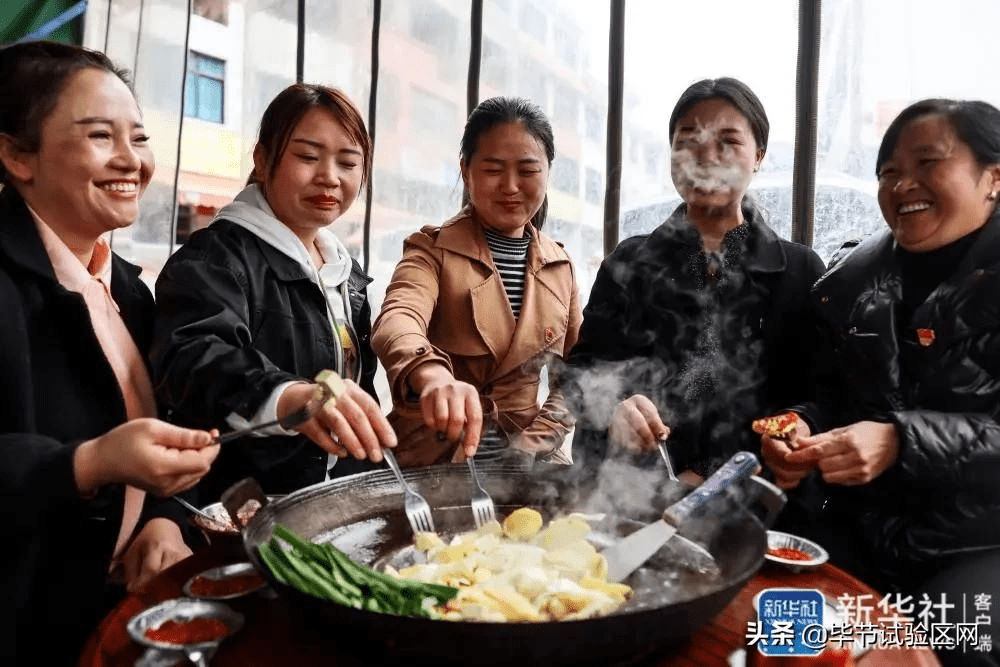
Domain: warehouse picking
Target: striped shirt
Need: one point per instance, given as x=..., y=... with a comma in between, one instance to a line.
x=510, y=255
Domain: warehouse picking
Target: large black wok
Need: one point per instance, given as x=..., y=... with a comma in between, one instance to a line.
x=679, y=590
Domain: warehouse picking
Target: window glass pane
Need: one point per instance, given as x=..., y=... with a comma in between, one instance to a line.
x=338, y=53
x=533, y=21
x=420, y=121
x=211, y=67
x=874, y=61
x=210, y=99
x=565, y=175
x=159, y=74
x=555, y=53
x=595, y=188
x=190, y=96
x=495, y=67
x=707, y=40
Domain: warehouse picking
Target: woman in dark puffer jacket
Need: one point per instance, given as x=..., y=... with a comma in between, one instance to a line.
x=907, y=437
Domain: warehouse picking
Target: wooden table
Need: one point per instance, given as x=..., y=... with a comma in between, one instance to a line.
x=270, y=637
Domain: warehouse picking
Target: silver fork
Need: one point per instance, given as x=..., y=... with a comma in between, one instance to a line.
x=418, y=512
x=661, y=443
x=482, y=505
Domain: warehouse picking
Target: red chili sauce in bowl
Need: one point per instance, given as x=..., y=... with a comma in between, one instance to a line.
x=191, y=631
x=239, y=583
x=789, y=554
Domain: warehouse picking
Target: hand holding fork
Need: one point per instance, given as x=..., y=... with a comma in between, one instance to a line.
x=336, y=414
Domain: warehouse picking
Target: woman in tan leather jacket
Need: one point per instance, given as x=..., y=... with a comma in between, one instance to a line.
x=478, y=306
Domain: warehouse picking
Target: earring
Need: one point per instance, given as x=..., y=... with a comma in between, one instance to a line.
x=992, y=196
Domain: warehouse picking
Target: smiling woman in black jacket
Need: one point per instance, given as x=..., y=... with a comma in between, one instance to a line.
x=254, y=306
x=907, y=438
x=76, y=403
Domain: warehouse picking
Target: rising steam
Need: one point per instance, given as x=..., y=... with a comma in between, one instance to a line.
x=693, y=167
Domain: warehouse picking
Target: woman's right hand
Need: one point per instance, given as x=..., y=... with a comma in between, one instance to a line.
x=450, y=407
x=352, y=424
x=775, y=451
x=149, y=454
x=636, y=425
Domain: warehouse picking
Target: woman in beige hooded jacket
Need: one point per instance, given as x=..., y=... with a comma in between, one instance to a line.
x=478, y=306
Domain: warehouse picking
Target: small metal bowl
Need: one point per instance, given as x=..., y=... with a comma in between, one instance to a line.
x=224, y=572
x=778, y=540
x=182, y=609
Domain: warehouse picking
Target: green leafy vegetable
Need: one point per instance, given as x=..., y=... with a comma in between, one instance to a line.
x=326, y=572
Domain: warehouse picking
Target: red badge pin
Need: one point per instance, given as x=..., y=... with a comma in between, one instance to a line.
x=549, y=334
x=925, y=337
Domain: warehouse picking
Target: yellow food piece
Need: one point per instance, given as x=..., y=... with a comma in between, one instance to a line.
x=481, y=574
x=332, y=381
x=573, y=602
x=489, y=528
x=455, y=552
x=573, y=560
x=512, y=604
x=599, y=567
x=427, y=541
x=520, y=571
x=522, y=524
x=620, y=591
x=555, y=608
x=562, y=531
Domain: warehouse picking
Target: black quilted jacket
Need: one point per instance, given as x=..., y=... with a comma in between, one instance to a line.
x=942, y=497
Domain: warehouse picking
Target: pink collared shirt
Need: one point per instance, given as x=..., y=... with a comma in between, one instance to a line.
x=94, y=284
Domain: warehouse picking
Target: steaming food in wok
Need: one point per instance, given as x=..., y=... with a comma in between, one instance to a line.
x=519, y=571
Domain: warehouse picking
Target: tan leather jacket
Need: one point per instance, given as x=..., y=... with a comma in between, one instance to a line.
x=446, y=303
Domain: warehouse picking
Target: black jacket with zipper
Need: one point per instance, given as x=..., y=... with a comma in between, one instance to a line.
x=235, y=317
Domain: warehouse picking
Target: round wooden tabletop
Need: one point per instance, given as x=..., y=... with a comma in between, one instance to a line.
x=271, y=637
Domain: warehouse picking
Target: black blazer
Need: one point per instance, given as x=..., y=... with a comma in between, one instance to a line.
x=57, y=391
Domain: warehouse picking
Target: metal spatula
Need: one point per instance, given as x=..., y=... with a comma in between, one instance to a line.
x=630, y=553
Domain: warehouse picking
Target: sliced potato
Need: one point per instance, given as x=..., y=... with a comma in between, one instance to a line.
x=563, y=531
x=555, y=608
x=599, y=567
x=522, y=524
x=454, y=552
x=513, y=605
x=615, y=590
x=519, y=571
x=427, y=541
x=573, y=560
x=531, y=582
x=481, y=574
x=490, y=528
